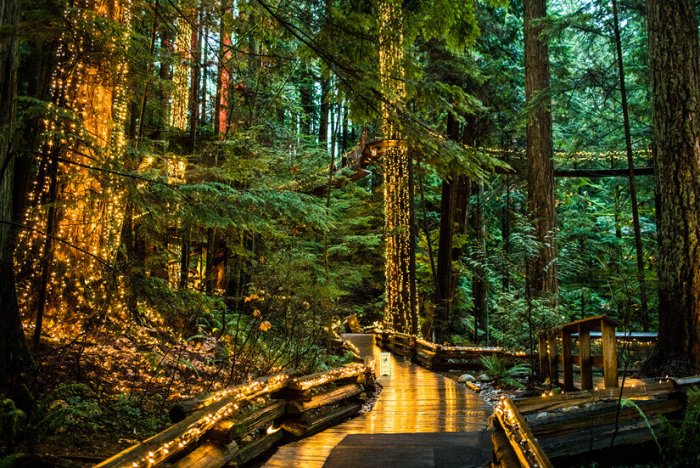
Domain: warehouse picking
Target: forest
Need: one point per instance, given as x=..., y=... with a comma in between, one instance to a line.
x=198, y=193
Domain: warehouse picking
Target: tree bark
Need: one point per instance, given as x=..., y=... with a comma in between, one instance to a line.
x=674, y=52
x=15, y=359
x=479, y=283
x=452, y=221
x=541, y=267
x=324, y=106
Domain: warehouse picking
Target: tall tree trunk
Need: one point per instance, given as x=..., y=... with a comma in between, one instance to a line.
x=194, y=88
x=541, y=267
x=479, y=283
x=325, y=108
x=643, y=298
x=444, y=293
x=675, y=71
x=15, y=359
x=400, y=310
x=166, y=74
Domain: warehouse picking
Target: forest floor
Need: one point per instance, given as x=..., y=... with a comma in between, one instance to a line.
x=93, y=397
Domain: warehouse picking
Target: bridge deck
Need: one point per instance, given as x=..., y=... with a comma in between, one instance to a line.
x=432, y=419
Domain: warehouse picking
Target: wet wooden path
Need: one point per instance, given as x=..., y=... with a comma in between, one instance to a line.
x=421, y=419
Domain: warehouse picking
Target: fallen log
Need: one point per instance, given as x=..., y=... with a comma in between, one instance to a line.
x=322, y=399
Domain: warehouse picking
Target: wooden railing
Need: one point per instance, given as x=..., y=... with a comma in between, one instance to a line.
x=530, y=431
x=434, y=356
x=240, y=423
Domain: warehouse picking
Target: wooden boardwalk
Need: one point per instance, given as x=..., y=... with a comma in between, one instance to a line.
x=429, y=418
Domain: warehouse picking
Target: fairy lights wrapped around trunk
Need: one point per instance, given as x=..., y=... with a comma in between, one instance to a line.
x=399, y=312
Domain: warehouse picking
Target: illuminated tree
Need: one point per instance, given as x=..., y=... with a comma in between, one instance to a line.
x=400, y=310
x=78, y=200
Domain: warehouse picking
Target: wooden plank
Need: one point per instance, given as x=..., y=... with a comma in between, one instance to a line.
x=299, y=429
x=609, y=346
x=597, y=414
x=503, y=454
x=326, y=398
x=255, y=449
x=413, y=400
x=208, y=455
x=551, y=402
x=584, y=358
x=232, y=429
x=321, y=378
x=552, y=355
x=261, y=386
x=630, y=432
x=568, y=361
x=524, y=443
x=542, y=355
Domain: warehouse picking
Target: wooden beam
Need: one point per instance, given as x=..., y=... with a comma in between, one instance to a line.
x=584, y=358
x=523, y=442
x=552, y=355
x=568, y=361
x=542, y=355
x=322, y=399
x=310, y=381
x=609, y=354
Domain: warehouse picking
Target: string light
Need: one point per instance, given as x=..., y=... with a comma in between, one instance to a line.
x=85, y=124
x=400, y=283
x=180, y=98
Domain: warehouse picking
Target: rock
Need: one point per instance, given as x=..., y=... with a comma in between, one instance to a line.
x=467, y=378
x=484, y=378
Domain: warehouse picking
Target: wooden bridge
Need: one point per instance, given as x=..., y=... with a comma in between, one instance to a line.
x=421, y=419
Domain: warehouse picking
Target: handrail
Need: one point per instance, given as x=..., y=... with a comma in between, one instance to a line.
x=210, y=410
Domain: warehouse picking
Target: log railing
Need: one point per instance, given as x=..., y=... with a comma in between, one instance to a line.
x=240, y=423
x=437, y=357
x=530, y=431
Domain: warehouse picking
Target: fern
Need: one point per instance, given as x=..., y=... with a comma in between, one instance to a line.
x=500, y=373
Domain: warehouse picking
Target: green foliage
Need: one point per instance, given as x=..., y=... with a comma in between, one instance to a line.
x=12, y=423
x=69, y=408
x=684, y=435
x=500, y=373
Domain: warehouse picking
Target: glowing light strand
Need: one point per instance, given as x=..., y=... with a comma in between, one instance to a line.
x=398, y=313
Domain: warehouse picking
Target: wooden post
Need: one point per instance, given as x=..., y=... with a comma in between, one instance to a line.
x=609, y=354
x=584, y=355
x=568, y=360
x=553, y=360
x=542, y=355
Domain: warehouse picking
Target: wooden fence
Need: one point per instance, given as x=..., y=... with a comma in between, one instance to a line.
x=530, y=431
x=234, y=426
x=438, y=357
